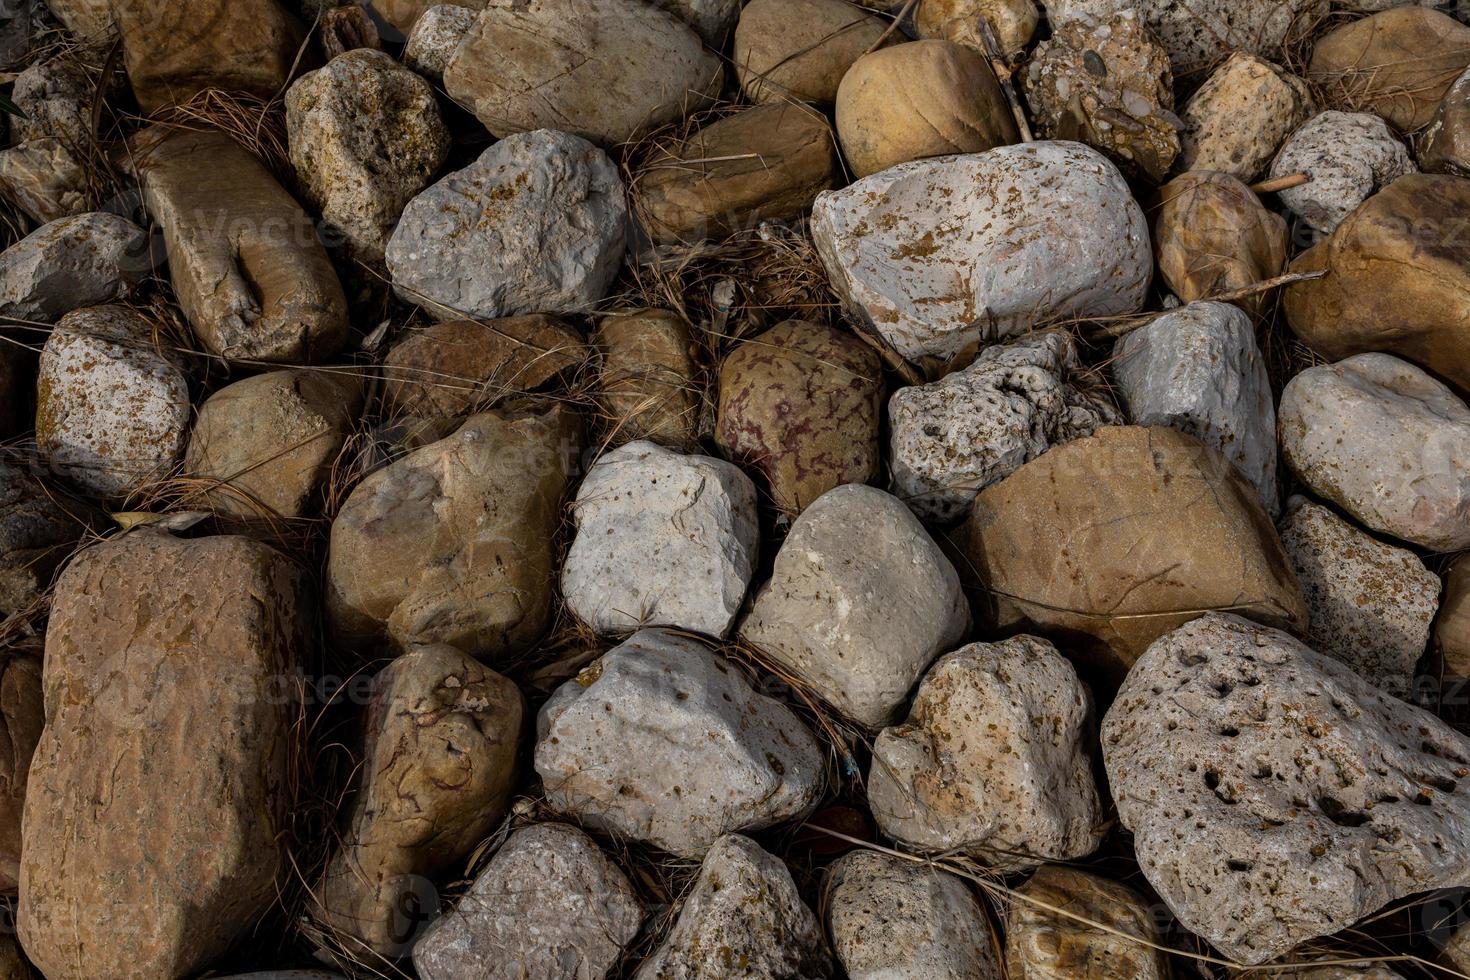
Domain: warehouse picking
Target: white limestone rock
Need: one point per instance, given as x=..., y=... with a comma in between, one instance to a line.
x=1348, y=156
x=435, y=37
x=85, y=260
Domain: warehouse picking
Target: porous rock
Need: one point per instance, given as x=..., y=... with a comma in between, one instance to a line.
x=1042, y=945
x=39, y=530
x=1238, y=118
x=798, y=50
x=435, y=36
x=1212, y=235
x=649, y=386
x=1012, y=21
x=85, y=260
x=1348, y=156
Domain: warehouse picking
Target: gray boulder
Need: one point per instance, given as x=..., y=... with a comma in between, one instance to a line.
x=85, y=260
x=1349, y=156
x=435, y=37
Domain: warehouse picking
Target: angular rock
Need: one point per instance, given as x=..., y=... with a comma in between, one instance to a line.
x=918, y=100
x=1369, y=604
x=801, y=404
x=1240, y=116
x=1013, y=793
x=892, y=919
x=860, y=602
x=664, y=742
x=953, y=438
x=1114, y=539
x=1198, y=369
x=42, y=172
x=649, y=386
x=712, y=19
x=1212, y=234
x=39, y=530
x=1012, y=21
x=1385, y=442
x=764, y=163
x=86, y=260
x=798, y=50
x=1273, y=794
x=1348, y=156
x=537, y=224
x=171, y=676
x=1108, y=86
x=246, y=264
x=1041, y=945
x=112, y=412
x=605, y=72
x=345, y=29
x=1444, y=145
x=549, y=904
x=439, y=765
x=406, y=15
x=1452, y=633
x=452, y=543
x=743, y=917
x=435, y=36
x=22, y=718
x=44, y=179
x=269, y=441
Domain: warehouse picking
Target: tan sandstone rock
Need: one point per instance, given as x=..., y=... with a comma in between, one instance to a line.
x=1042, y=945
x=649, y=386
x=800, y=49
x=1012, y=21
x=1241, y=115
x=1212, y=234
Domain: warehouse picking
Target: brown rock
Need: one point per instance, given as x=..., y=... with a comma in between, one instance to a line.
x=1444, y=145
x=1042, y=945
x=1212, y=234
x=1452, y=626
x=768, y=162
x=348, y=29
x=44, y=179
x=245, y=260
x=922, y=99
x=650, y=387
x=1398, y=63
x=1398, y=282
x=1012, y=21
x=800, y=49
x=85, y=18
x=464, y=366
x=1112, y=540
x=403, y=14
x=171, y=695
x=437, y=772
x=800, y=403
x=1241, y=115
x=21, y=719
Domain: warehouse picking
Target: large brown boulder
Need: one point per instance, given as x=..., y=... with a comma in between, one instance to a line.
x=155, y=806
x=649, y=386
x=21, y=721
x=1212, y=234
x=1398, y=279
x=1110, y=541
x=798, y=50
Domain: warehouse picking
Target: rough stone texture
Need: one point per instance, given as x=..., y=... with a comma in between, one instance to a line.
x=112, y=412
x=465, y=366
x=1041, y=945
x=1273, y=794
x=1399, y=280
x=549, y=905
x=665, y=742
x=1339, y=970
x=801, y=405
x=22, y=718
x=406, y=15
x=537, y=224
x=649, y=386
x=38, y=531
x=438, y=768
x=452, y=543
x=435, y=36
x=1212, y=234
x=1452, y=634
x=764, y=163
x=1369, y=604
x=1456, y=953
x=86, y=18
x=662, y=539
x=1349, y=156
x=346, y=28
x=246, y=264
x=917, y=100
x=80, y=261
x=798, y=50
x=939, y=254
x=1012, y=21
x=1198, y=370
x=953, y=438
x=1107, y=85
x=44, y=179
x=713, y=19
x=743, y=918
x=993, y=759
x=1398, y=63
x=605, y=72
x=173, y=51
x=1114, y=539
x=170, y=676
x=270, y=441
x=860, y=602
x=1444, y=145
x=1240, y=115
x=41, y=173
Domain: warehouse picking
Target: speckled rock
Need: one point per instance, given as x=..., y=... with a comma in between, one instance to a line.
x=435, y=36
x=713, y=19
x=1198, y=370
x=1212, y=234
x=112, y=412
x=1386, y=443
x=1041, y=945
x=439, y=765
x=953, y=438
x=936, y=254
x=892, y=919
x=1452, y=634
x=452, y=543
x=1273, y=794
x=549, y=905
x=1238, y=118
x=664, y=742
x=1348, y=156
x=860, y=602
x=800, y=49
x=743, y=918
x=406, y=15
x=662, y=539
x=68, y=264
x=537, y=224
x=39, y=530
x=649, y=386
x=1444, y=145
x=1107, y=85
x=800, y=404
x=605, y=72
x=22, y=717
x=1012, y=21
